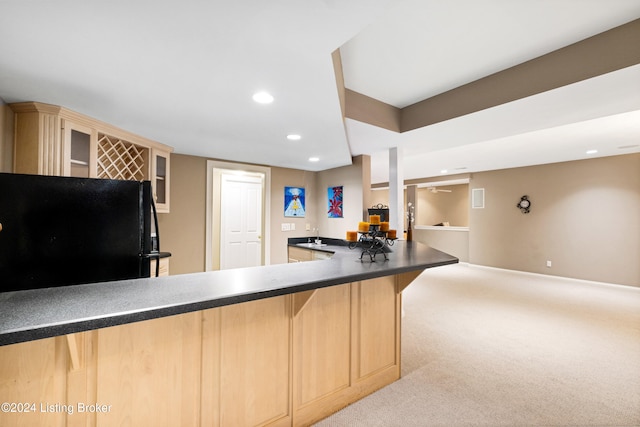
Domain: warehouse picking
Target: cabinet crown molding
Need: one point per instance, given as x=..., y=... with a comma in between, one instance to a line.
x=79, y=118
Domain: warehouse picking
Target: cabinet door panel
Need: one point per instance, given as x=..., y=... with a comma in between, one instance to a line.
x=79, y=150
x=149, y=372
x=299, y=254
x=160, y=169
x=321, y=345
x=254, y=362
x=33, y=373
x=376, y=325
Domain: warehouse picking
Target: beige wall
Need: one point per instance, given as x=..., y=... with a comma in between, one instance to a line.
x=280, y=178
x=430, y=209
x=446, y=239
x=356, y=183
x=585, y=219
x=183, y=230
x=434, y=208
x=316, y=184
x=380, y=197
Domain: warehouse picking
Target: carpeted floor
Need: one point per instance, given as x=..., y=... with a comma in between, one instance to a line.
x=488, y=347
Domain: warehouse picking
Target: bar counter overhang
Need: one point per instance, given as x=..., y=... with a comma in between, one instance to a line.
x=284, y=344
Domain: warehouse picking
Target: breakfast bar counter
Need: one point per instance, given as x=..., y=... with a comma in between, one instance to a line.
x=283, y=344
x=41, y=313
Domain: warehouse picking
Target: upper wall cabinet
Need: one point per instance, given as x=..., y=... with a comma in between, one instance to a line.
x=52, y=140
x=160, y=174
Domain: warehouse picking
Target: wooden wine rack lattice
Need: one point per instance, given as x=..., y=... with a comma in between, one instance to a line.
x=119, y=159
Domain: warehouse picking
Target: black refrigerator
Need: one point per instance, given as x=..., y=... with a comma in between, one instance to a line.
x=60, y=231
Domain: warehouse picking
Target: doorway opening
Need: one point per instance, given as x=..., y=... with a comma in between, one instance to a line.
x=237, y=215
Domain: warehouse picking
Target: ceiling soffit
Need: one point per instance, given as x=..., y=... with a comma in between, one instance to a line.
x=608, y=51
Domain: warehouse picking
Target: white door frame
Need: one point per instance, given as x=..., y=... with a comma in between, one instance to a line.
x=212, y=230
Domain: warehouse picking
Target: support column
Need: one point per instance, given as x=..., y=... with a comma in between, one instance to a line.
x=396, y=191
x=412, y=197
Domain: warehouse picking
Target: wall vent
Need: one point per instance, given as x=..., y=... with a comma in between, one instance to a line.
x=477, y=198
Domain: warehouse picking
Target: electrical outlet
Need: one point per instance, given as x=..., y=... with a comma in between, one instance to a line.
x=307, y=227
x=549, y=264
x=286, y=226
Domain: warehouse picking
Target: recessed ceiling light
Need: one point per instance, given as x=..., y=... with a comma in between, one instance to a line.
x=294, y=137
x=263, y=97
x=592, y=151
x=314, y=159
x=444, y=171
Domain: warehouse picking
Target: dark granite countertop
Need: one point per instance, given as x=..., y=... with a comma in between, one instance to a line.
x=42, y=313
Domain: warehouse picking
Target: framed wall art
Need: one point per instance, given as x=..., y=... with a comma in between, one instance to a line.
x=294, y=202
x=335, y=202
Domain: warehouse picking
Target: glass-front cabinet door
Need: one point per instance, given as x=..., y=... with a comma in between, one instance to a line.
x=52, y=140
x=160, y=179
x=79, y=150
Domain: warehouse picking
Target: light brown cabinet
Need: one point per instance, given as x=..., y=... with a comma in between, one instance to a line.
x=297, y=254
x=288, y=360
x=52, y=140
x=79, y=150
x=163, y=268
x=160, y=175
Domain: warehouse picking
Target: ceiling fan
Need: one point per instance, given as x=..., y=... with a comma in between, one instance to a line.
x=436, y=190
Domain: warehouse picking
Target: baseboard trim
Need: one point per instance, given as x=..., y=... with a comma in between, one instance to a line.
x=551, y=276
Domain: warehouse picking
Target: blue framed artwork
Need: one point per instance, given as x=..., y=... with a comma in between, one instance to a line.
x=294, y=204
x=335, y=202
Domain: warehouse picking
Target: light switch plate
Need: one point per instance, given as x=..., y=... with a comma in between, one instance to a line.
x=293, y=226
x=286, y=226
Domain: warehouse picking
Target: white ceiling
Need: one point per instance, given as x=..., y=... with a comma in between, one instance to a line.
x=420, y=48
x=183, y=72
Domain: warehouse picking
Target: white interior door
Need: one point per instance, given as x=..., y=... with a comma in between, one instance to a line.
x=240, y=221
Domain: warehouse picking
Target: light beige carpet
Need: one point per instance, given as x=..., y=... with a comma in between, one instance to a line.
x=486, y=347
